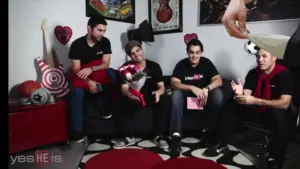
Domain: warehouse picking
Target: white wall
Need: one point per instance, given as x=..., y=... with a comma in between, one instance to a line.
x=225, y=52
x=26, y=37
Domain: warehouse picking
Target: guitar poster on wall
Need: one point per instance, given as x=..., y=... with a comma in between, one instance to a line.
x=165, y=16
x=116, y=10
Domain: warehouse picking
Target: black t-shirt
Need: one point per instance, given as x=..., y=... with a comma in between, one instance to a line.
x=281, y=84
x=154, y=76
x=80, y=50
x=199, y=76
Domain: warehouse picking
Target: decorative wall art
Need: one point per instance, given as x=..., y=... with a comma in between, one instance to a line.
x=211, y=11
x=117, y=10
x=189, y=36
x=165, y=16
x=63, y=34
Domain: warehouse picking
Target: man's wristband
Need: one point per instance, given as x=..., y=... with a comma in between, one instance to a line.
x=207, y=87
x=92, y=69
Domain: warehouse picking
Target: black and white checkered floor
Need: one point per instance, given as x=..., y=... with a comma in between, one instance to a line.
x=191, y=147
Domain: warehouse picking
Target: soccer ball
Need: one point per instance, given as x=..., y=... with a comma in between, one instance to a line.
x=251, y=48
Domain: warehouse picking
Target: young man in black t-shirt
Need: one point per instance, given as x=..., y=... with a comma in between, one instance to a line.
x=90, y=56
x=195, y=76
x=154, y=94
x=267, y=95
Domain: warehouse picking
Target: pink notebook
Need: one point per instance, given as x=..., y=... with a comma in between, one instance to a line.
x=193, y=103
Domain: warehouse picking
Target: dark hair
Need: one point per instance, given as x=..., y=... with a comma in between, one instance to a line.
x=194, y=42
x=130, y=45
x=96, y=20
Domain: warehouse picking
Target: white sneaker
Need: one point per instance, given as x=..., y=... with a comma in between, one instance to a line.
x=107, y=116
x=124, y=143
x=161, y=142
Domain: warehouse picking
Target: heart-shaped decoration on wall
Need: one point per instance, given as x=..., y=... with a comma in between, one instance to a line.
x=63, y=34
x=188, y=37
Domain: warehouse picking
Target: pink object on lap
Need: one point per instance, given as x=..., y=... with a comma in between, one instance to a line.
x=193, y=103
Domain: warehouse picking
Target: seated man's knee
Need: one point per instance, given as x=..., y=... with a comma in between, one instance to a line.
x=177, y=97
x=215, y=97
x=112, y=74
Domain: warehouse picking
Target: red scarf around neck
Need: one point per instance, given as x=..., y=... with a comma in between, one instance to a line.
x=263, y=78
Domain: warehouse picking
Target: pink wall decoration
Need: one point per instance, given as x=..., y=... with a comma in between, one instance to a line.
x=188, y=37
x=63, y=34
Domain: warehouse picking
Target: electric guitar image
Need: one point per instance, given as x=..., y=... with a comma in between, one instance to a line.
x=164, y=12
x=53, y=77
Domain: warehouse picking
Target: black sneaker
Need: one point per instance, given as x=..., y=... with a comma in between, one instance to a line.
x=216, y=150
x=175, y=146
x=77, y=137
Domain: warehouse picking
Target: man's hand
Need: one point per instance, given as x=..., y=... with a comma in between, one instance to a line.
x=199, y=93
x=131, y=96
x=246, y=99
x=237, y=88
x=156, y=95
x=236, y=12
x=205, y=92
x=84, y=73
x=93, y=86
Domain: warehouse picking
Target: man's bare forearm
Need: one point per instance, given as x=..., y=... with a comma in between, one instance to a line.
x=281, y=104
x=180, y=86
x=161, y=90
x=215, y=83
x=125, y=89
x=102, y=66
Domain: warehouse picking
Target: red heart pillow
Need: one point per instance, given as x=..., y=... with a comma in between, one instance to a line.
x=63, y=34
x=188, y=37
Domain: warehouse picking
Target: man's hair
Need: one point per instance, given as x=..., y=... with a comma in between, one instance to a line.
x=130, y=45
x=96, y=20
x=194, y=42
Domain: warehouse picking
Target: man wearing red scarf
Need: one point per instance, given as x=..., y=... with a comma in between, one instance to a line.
x=266, y=94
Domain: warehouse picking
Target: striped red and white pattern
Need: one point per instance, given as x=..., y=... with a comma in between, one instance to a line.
x=53, y=79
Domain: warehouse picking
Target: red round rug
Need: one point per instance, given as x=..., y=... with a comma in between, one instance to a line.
x=124, y=159
x=190, y=163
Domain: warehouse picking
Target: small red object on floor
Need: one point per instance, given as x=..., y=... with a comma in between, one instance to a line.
x=190, y=163
x=124, y=159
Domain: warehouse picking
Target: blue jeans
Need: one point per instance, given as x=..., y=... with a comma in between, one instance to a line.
x=76, y=103
x=76, y=107
x=212, y=109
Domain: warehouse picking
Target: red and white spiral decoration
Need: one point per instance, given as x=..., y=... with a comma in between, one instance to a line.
x=53, y=79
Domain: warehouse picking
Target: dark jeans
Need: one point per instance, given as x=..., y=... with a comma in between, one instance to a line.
x=210, y=112
x=279, y=121
x=76, y=106
x=127, y=108
x=292, y=154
